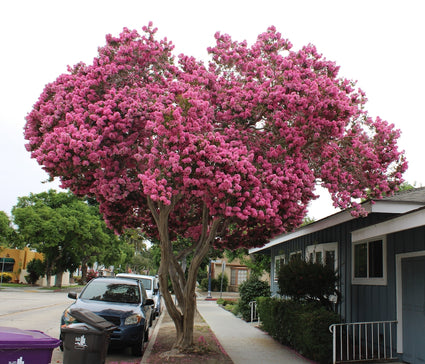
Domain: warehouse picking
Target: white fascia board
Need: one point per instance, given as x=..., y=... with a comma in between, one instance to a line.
x=394, y=207
x=405, y=222
x=377, y=206
x=322, y=224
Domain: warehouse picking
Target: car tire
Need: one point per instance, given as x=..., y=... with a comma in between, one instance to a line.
x=151, y=319
x=146, y=336
x=139, y=348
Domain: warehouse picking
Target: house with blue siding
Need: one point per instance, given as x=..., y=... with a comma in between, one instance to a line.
x=380, y=261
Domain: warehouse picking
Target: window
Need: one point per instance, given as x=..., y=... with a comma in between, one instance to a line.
x=369, y=262
x=279, y=260
x=238, y=276
x=295, y=255
x=6, y=264
x=326, y=253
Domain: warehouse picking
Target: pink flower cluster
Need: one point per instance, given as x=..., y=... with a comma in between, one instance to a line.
x=248, y=136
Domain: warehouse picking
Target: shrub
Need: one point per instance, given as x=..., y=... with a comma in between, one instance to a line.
x=215, y=284
x=35, y=268
x=6, y=277
x=225, y=283
x=204, y=284
x=304, y=326
x=90, y=275
x=249, y=290
x=312, y=338
x=303, y=280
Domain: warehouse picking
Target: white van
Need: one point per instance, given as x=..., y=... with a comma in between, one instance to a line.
x=151, y=284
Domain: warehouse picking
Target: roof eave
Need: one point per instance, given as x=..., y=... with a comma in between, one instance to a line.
x=376, y=206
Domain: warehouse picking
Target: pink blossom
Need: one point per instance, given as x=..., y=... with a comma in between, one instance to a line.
x=247, y=136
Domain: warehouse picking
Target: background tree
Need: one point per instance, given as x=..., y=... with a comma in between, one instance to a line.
x=35, y=268
x=8, y=236
x=116, y=252
x=42, y=227
x=257, y=263
x=142, y=261
x=226, y=154
x=64, y=228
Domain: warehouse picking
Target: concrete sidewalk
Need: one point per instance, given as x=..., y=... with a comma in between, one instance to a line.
x=243, y=342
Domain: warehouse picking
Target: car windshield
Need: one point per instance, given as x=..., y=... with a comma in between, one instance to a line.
x=111, y=292
x=147, y=283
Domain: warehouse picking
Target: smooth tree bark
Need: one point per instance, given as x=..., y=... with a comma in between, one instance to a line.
x=226, y=154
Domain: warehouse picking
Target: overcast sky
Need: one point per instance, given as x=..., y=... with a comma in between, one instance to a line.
x=378, y=43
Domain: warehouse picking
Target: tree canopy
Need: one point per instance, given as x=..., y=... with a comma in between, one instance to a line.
x=227, y=153
x=7, y=233
x=68, y=231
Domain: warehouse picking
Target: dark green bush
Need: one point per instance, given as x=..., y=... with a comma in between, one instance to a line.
x=35, y=268
x=5, y=277
x=249, y=290
x=204, y=284
x=314, y=339
x=215, y=284
x=303, y=280
x=225, y=283
x=304, y=326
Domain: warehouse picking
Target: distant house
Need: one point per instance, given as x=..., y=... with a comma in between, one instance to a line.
x=380, y=260
x=235, y=271
x=15, y=261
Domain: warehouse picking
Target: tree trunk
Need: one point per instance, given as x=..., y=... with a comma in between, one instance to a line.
x=83, y=272
x=182, y=313
x=48, y=272
x=58, y=281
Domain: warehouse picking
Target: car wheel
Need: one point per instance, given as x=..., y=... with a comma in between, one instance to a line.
x=146, y=336
x=139, y=348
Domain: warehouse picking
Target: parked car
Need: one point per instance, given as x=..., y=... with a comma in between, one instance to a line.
x=123, y=302
x=151, y=284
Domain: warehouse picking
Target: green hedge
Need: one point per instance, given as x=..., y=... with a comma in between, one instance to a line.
x=249, y=290
x=303, y=326
x=215, y=283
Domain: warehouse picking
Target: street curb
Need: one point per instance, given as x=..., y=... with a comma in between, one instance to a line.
x=152, y=340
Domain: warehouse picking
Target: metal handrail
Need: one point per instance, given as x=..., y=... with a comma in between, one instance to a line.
x=363, y=341
x=254, y=312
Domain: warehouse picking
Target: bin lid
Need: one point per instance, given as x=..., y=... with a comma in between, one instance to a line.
x=13, y=338
x=89, y=317
x=81, y=328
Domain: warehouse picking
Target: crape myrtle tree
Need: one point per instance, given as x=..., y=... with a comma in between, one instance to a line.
x=227, y=154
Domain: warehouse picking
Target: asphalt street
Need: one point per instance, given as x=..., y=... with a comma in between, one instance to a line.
x=40, y=309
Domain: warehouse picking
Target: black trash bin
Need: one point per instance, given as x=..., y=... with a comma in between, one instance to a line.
x=86, y=341
x=88, y=317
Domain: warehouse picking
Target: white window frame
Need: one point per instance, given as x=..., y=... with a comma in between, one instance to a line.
x=236, y=271
x=282, y=259
x=322, y=248
x=298, y=252
x=372, y=281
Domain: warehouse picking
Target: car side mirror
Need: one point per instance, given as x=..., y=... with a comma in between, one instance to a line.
x=149, y=302
x=72, y=295
x=155, y=291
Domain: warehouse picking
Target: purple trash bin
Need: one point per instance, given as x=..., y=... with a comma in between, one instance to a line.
x=25, y=346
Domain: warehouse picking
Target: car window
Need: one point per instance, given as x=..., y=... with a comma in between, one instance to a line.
x=111, y=292
x=147, y=283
